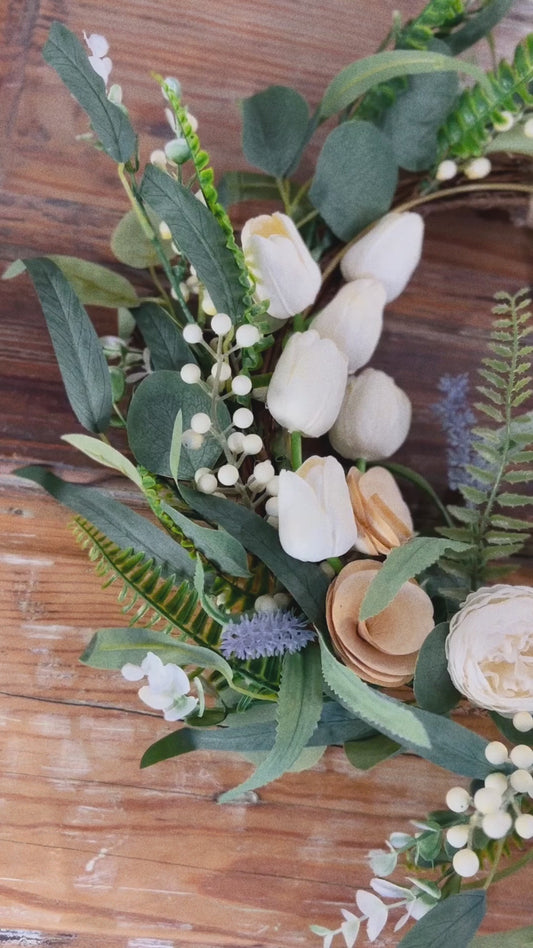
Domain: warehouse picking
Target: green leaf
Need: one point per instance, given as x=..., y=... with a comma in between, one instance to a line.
x=479, y=25
x=199, y=236
x=274, y=133
x=299, y=707
x=104, y=454
x=365, y=754
x=412, y=121
x=175, y=448
x=507, y=728
x=514, y=141
x=306, y=582
x=516, y=938
x=401, y=565
x=123, y=526
x=512, y=500
x=168, y=349
x=131, y=245
x=216, y=544
x=151, y=417
x=93, y=284
x=433, y=687
x=64, y=52
x=355, y=178
x=360, y=76
x=431, y=736
x=451, y=922
x=76, y=345
x=237, y=186
x=113, y=648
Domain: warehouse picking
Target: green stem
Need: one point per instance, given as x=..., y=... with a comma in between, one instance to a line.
x=296, y=450
x=502, y=874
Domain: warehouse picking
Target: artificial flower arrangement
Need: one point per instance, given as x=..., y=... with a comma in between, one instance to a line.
x=280, y=596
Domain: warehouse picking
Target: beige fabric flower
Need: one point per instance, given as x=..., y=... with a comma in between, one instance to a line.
x=383, y=650
x=381, y=514
x=490, y=648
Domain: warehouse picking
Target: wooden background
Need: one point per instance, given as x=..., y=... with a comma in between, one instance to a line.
x=95, y=852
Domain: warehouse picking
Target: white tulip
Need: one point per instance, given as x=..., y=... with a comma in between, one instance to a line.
x=390, y=252
x=314, y=511
x=354, y=320
x=284, y=270
x=489, y=648
x=374, y=418
x=308, y=383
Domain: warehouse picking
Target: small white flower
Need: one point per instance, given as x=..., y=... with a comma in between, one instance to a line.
x=167, y=689
x=99, y=59
x=375, y=910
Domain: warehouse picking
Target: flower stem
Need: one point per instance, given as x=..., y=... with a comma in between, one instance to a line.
x=296, y=450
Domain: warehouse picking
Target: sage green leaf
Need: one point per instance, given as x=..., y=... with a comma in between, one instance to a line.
x=355, y=178
x=412, y=121
x=513, y=141
x=132, y=246
x=113, y=648
x=433, y=687
x=151, y=417
x=507, y=728
x=274, y=132
x=129, y=530
x=216, y=544
x=199, y=236
x=237, y=186
x=365, y=754
x=13, y=270
x=78, y=351
x=94, y=284
x=431, y=736
x=104, y=454
x=306, y=582
x=516, y=938
x=451, y=922
x=175, y=448
x=168, y=349
x=479, y=25
x=357, y=78
x=402, y=564
x=64, y=52
x=299, y=707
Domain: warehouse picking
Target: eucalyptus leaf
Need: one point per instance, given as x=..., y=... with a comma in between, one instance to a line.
x=514, y=141
x=355, y=178
x=431, y=736
x=113, y=648
x=131, y=245
x=299, y=707
x=78, y=351
x=151, y=417
x=237, y=186
x=516, y=938
x=94, y=284
x=507, y=728
x=129, y=530
x=104, y=454
x=64, y=52
x=306, y=582
x=401, y=565
x=433, y=687
x=357, y=78
x=199, y=236
x=365, y=754
x=479, y=25
x=216, y=544
x=274, y=133
x=451, y=922
x=168, y=349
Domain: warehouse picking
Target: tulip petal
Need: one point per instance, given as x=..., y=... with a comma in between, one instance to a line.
x=390, y=252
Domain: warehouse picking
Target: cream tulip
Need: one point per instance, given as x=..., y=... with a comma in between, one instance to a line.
x=284, y=270
x=374, y=417
x=354, y=320
x=314, y=511
x=390, y=252
x=308, y=383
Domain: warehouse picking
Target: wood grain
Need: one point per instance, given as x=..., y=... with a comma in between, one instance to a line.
x=96, y=853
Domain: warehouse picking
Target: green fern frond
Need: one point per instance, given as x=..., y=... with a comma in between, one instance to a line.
x=503, y=451
x=472, y=124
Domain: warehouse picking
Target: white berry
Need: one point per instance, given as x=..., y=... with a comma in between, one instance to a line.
x=465, y=863
x=458, y=799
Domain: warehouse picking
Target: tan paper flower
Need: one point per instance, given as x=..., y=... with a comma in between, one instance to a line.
x=381, y=514
x=383, y=650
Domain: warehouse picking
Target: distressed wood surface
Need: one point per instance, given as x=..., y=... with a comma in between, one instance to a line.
x=94, y=851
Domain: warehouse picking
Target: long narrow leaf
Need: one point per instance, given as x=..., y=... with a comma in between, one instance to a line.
x=452, y=922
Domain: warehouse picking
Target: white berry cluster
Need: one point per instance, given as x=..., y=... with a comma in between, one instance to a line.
x=496, y=807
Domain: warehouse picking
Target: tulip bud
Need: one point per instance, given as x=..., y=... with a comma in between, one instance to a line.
x=353, y=320
x=307, y=386
x=390, y=252
x=284, y=270
x=374, y=418
x=314, y=511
